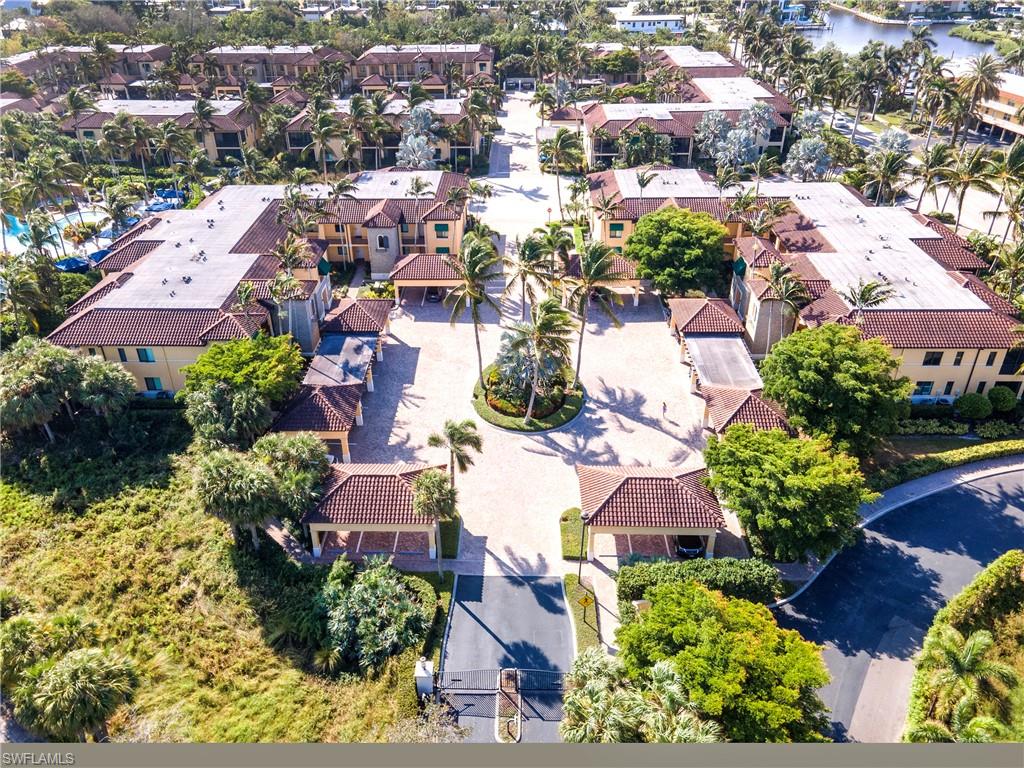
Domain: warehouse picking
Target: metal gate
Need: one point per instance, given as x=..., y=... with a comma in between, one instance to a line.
x=535, y=694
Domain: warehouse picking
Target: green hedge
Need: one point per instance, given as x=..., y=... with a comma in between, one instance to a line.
x=927, y=465
x=571, y=525
x=995, y=592
x=996, y=429
x=755, y=580
x=931, y=427
x=570, y=409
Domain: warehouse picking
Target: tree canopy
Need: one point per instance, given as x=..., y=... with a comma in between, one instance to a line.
x=834, y=384
x=793, y=496
x=270, y=364
x=677, y=250
x=735, y=663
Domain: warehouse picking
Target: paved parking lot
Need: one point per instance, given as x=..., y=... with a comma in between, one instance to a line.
x=638, y=411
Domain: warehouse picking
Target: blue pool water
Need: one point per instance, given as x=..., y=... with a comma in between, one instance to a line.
x=13, y=227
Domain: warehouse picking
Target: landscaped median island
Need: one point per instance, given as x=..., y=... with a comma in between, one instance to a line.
x=562, y=405
x=571, y=525
x=969, y=682
x=584, y=617
x=929, y=463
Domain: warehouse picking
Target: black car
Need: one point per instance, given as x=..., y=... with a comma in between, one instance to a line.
x=433, y=295
x=690, y=547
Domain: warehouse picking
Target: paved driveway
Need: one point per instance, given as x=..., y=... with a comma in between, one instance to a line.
x=639, y=411
x=510, y=621
x=872, y=606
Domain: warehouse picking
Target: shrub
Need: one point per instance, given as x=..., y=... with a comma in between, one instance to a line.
x=271, y=365
x=753, y=579
x=930, y=411
x=1002, y=398
x=926, y=465
x=973, y=406
x=424, y=594
x=931, y=427
x=945, y=218
x=378, y=290
x=993, y=430
x=12, y=604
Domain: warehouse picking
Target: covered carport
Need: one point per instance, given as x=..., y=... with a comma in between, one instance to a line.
x=625, y=277
x=720, y=361
x=424, y=270
x=638, y=501
x=374, y=500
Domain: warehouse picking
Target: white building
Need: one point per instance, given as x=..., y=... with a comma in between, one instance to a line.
x=628, y=20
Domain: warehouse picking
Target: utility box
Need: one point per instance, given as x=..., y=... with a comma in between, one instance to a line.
x=424, y=675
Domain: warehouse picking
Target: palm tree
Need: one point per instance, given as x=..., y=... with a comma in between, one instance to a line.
x=118, y=208
x=75, y=696
x=138, y=136
x=1014, y=213
x=788, y=291
x=169, y=138
x=292, y=252
x=764, y=167
x=545, y=98
x=959, y=668
x=865, y=295
x=22, y=293
x=564, y=150
x=546, y=337
x=1008, y=270
x=1005, y=169
x=283, y=288
x=555, y=243
x=241, y=492
x=78, y=101
x=529, y=265
x=644, y=179
x=39, y=185
x=931, y=170
x=324, y=128
x=460, y=439
x=477, y=265
x=981, y=81
x=434, y=498
x=964, y=727
x=105, y=387
x=885, y=174
x=971, y=171
x=203, y=113
x=601, y=712
x=418, y=188
x=671, y=717
x=726, y=177
x=597, y=270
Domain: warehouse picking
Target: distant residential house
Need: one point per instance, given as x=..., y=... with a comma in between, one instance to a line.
x=403, y=64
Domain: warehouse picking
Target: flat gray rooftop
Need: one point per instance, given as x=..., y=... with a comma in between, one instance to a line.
x=723, y=361
x=341, y=359
x=162, y=107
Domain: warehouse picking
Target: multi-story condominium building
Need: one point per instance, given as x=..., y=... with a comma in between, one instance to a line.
x=951, y=332
x=238, y=65
x=231, y=127
x=170, y=284
x=607, y=63
x=629, y=19
x=55, y=65
x=1001, y=115
x=457, y=141
x=604, y=124
x=402, y=64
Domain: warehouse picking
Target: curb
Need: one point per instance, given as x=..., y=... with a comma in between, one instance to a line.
x=448, y=624
x=982, y=474
x=526, y=433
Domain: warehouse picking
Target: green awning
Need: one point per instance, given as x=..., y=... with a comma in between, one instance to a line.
x=739, y=267
x=323, y=266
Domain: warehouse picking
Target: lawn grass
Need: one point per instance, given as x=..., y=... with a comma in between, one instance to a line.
x=571, y=526
x=444, y=584
x=450, y=531
x=586, y=628
x=166, y=585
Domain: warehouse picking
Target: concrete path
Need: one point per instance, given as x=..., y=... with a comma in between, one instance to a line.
x=872, y=606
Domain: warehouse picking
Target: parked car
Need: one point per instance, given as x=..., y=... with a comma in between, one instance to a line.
x=690, y=547
x=433, y=295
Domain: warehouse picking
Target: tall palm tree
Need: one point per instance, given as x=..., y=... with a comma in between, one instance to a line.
x=284, y=288
x=39, y=184
x=565, y=149
x=555, y=243
x=203, y=113
x=1014, y=213
x=788, y=291
x=22, y=293
x=865, y=295
x=544, y=338
x=478, y=264
x=528, y=266
x=930, y=171
x=461, y=439
x=644, y=178
x=78, y=101
x=971, y=171
x=1008, y=270
x=419, y=187
x=959, y=668
x=765, y=166
x=981, y=81
x=964, y=728
x=885, y=175
x=1005, y=169
x=544, y=97
x=596, y=271
x=671, y=717
x=324, y=128
x=138, y=137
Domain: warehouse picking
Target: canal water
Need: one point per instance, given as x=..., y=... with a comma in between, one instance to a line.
x=850, y=33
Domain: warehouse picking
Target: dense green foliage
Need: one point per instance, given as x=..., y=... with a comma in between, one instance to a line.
x=677, y=250
x=751, y=579
x=936, y=462
x=270, y=364
x=737, y=666
x=1002, y=398
x=973, y=405
x=793, y=496
x=834, y=384
x=223, y=417
x=978, y=632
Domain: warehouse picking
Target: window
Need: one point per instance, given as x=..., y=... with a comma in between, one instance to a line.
x=383, y=243
x=981, y=387
x=153, y=383
x=991, y=359
x=958, y=358
x=615, y=230
x=923, y=387
x=443, y=249
x=89, y=134
x=441, y=231
x=92, y=351
x=122, y=356
x=405, y=228
x=145, y=355
x=949, y=388
x=933, y=358
x=483, y=67
x=1013, y=361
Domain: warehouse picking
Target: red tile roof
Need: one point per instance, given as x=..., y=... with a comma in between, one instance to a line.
x=436, y=267
x=977, y=286
x=97, y=326
x=696, y=316
x=358, y=316
x=647, y=497
x=727, y=406
x=370, y=494
x=320, y=409
x=128, y=254
x=950, y=250
x=939, y=329
x=797, y=233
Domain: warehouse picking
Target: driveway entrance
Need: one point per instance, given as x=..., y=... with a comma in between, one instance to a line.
x=507, y=623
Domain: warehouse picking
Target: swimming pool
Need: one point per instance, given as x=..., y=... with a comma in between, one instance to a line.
x=13, y=227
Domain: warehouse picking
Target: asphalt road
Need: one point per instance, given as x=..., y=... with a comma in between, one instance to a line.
x=510, y=621
x=872, y=606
